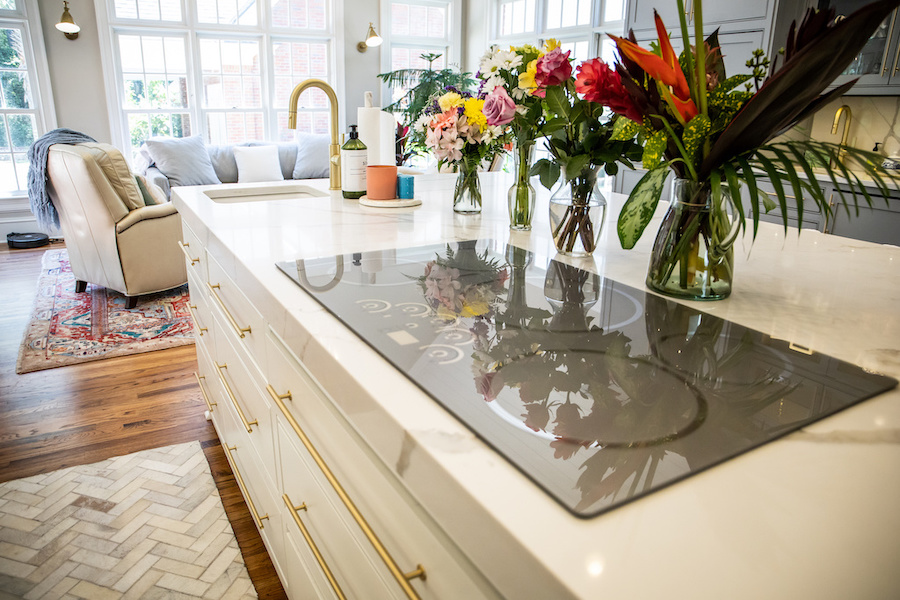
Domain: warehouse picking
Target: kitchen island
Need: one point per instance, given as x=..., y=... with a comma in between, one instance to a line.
x=810, y=515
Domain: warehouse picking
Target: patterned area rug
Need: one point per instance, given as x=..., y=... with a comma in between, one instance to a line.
x=68, y=328
x=145, y=525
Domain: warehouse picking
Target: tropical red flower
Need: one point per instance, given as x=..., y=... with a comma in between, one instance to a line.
x=597, y=82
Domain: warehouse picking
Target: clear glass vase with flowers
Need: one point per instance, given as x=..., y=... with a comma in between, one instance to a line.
x=457, y=132
x=718, y=134
x=579, y=136
x=506, y=84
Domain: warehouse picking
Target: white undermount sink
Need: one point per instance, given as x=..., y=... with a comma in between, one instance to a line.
x=254, y=194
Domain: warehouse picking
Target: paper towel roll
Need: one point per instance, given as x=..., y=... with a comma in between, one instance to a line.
x=377, y=130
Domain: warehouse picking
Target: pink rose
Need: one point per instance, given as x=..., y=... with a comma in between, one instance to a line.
x=499, y=108
x=553, y=68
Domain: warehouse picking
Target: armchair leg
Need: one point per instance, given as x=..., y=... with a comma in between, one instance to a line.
x=131, y=301
x=80, y=286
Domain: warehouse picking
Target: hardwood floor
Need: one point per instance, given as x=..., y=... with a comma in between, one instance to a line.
x=90, y=412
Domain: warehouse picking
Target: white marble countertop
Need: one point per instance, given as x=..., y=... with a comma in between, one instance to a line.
x=813, y=515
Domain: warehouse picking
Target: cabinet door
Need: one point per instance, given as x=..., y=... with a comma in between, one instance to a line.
x=879, y=223
x=878, y=64
x=714, y=13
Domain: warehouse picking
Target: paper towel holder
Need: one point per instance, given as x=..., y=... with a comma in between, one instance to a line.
x=372, y=39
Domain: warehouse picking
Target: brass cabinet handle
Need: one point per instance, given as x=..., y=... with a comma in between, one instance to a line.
x=191, y=308
x=887, y=44
x=312, y=546
x=209, y=404
x=237, y=328
x=401, y=578
x=184, y=247
x=830, y=212
x=243, y=486
x=247, y=424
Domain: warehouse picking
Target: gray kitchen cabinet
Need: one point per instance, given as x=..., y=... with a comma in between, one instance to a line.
x=878, y=223
x=877, y=67
x=728, y=15
x=812, y=218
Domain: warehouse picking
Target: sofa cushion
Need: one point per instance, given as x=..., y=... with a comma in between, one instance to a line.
x=150, y=192
x=312, y=156
x=257, y=163
x=116, y=170
x=183, y=160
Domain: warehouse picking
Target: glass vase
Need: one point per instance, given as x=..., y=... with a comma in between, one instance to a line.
x=467, y=194
x=693, y=255
x=521, y=195
x=577, y=213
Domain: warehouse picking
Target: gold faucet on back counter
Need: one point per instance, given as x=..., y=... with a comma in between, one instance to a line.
x=334, y=150
x=834, y=127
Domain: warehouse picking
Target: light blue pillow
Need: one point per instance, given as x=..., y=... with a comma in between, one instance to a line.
x=184, y=161
x=312, y=156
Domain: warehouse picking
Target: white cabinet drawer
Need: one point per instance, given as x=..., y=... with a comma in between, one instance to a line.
x=242, y=320
x=206, y=378
x=344, y=565
x=194, y=252
x=388, y=527
x=248, y=403
x=200, y=311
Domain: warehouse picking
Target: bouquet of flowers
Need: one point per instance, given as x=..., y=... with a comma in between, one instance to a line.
x=696, y=121
x=580, y=139
x=507, y=82
x=457, y=132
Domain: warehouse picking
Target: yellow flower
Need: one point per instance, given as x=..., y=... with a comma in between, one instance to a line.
x=450, y=100
x=526, y=79
x=550, y=45
x=474, y=111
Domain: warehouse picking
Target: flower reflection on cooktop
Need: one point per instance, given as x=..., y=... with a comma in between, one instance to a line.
x=599, y=392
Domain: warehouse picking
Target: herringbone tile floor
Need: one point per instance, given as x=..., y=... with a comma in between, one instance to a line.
x=147, y=525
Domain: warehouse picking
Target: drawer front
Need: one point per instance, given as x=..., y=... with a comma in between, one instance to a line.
x=248, y=403
x=200, y=311
x=194, y=252
x=242, y=320
x=207, y=378
x=367, y=498
x=344, y=566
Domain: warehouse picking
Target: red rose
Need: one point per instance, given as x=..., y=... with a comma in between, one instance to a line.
x=553, y=68
x=599, y=83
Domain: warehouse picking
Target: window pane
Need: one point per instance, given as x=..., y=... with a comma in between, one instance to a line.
x=154, y=58
x=569, y=13
x=12, y=55
x=135, y=92
x=232, y=69
x=21, y=131
x=148, y=9
x=15, y=90
x=21, y=162
x=7, y=173
x=126, y=9
x=584, y=12
x=300, y=14
x=130, y=54
x=176, y=61
x=4, y=140
x=554, y=11
x=139, y=129
x=614, y=10
x=400, y=19
x=8, y=4
x=437, y=19
x=294, y=62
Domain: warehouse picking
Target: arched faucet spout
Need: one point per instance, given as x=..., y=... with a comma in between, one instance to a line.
x=334, y=150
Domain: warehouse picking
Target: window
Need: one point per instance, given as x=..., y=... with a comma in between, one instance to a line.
x=417, y=31
x=26, y=112
x=579, y=25
x=223, y=69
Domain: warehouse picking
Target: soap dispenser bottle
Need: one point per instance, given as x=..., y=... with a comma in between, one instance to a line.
x=354, y=158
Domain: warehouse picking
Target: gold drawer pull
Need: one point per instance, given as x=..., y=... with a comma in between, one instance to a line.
x=191, y=309
x=243, y=486
x=247, y=424
x=237, y=328
x=206, y=399
x=400, y=577
x=184, y=247
x=312, y=546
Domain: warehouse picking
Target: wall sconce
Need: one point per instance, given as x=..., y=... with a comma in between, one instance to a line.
x=67, y=24
x=372, y=40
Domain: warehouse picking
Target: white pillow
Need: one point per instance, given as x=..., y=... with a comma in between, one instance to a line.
x=257, y=163
x=312, y=156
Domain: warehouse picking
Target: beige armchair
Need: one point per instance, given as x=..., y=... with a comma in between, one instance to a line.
x=113, y=239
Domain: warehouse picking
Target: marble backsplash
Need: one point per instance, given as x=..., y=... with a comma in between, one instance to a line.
x=873, y=119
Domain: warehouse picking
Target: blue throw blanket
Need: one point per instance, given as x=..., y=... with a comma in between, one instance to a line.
x=41, y=206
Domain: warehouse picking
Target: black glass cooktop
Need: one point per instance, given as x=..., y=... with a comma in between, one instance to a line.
x=599, y=392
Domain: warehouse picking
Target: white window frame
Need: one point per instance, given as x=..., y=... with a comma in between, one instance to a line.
x=108, y=26
x=453, y=54
x=593, y=32
x=27, y=16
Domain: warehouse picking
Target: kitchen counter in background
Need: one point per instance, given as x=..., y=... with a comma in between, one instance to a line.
x=811, y=515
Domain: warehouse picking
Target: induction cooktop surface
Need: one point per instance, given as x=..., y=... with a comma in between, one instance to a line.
x=599, y=392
